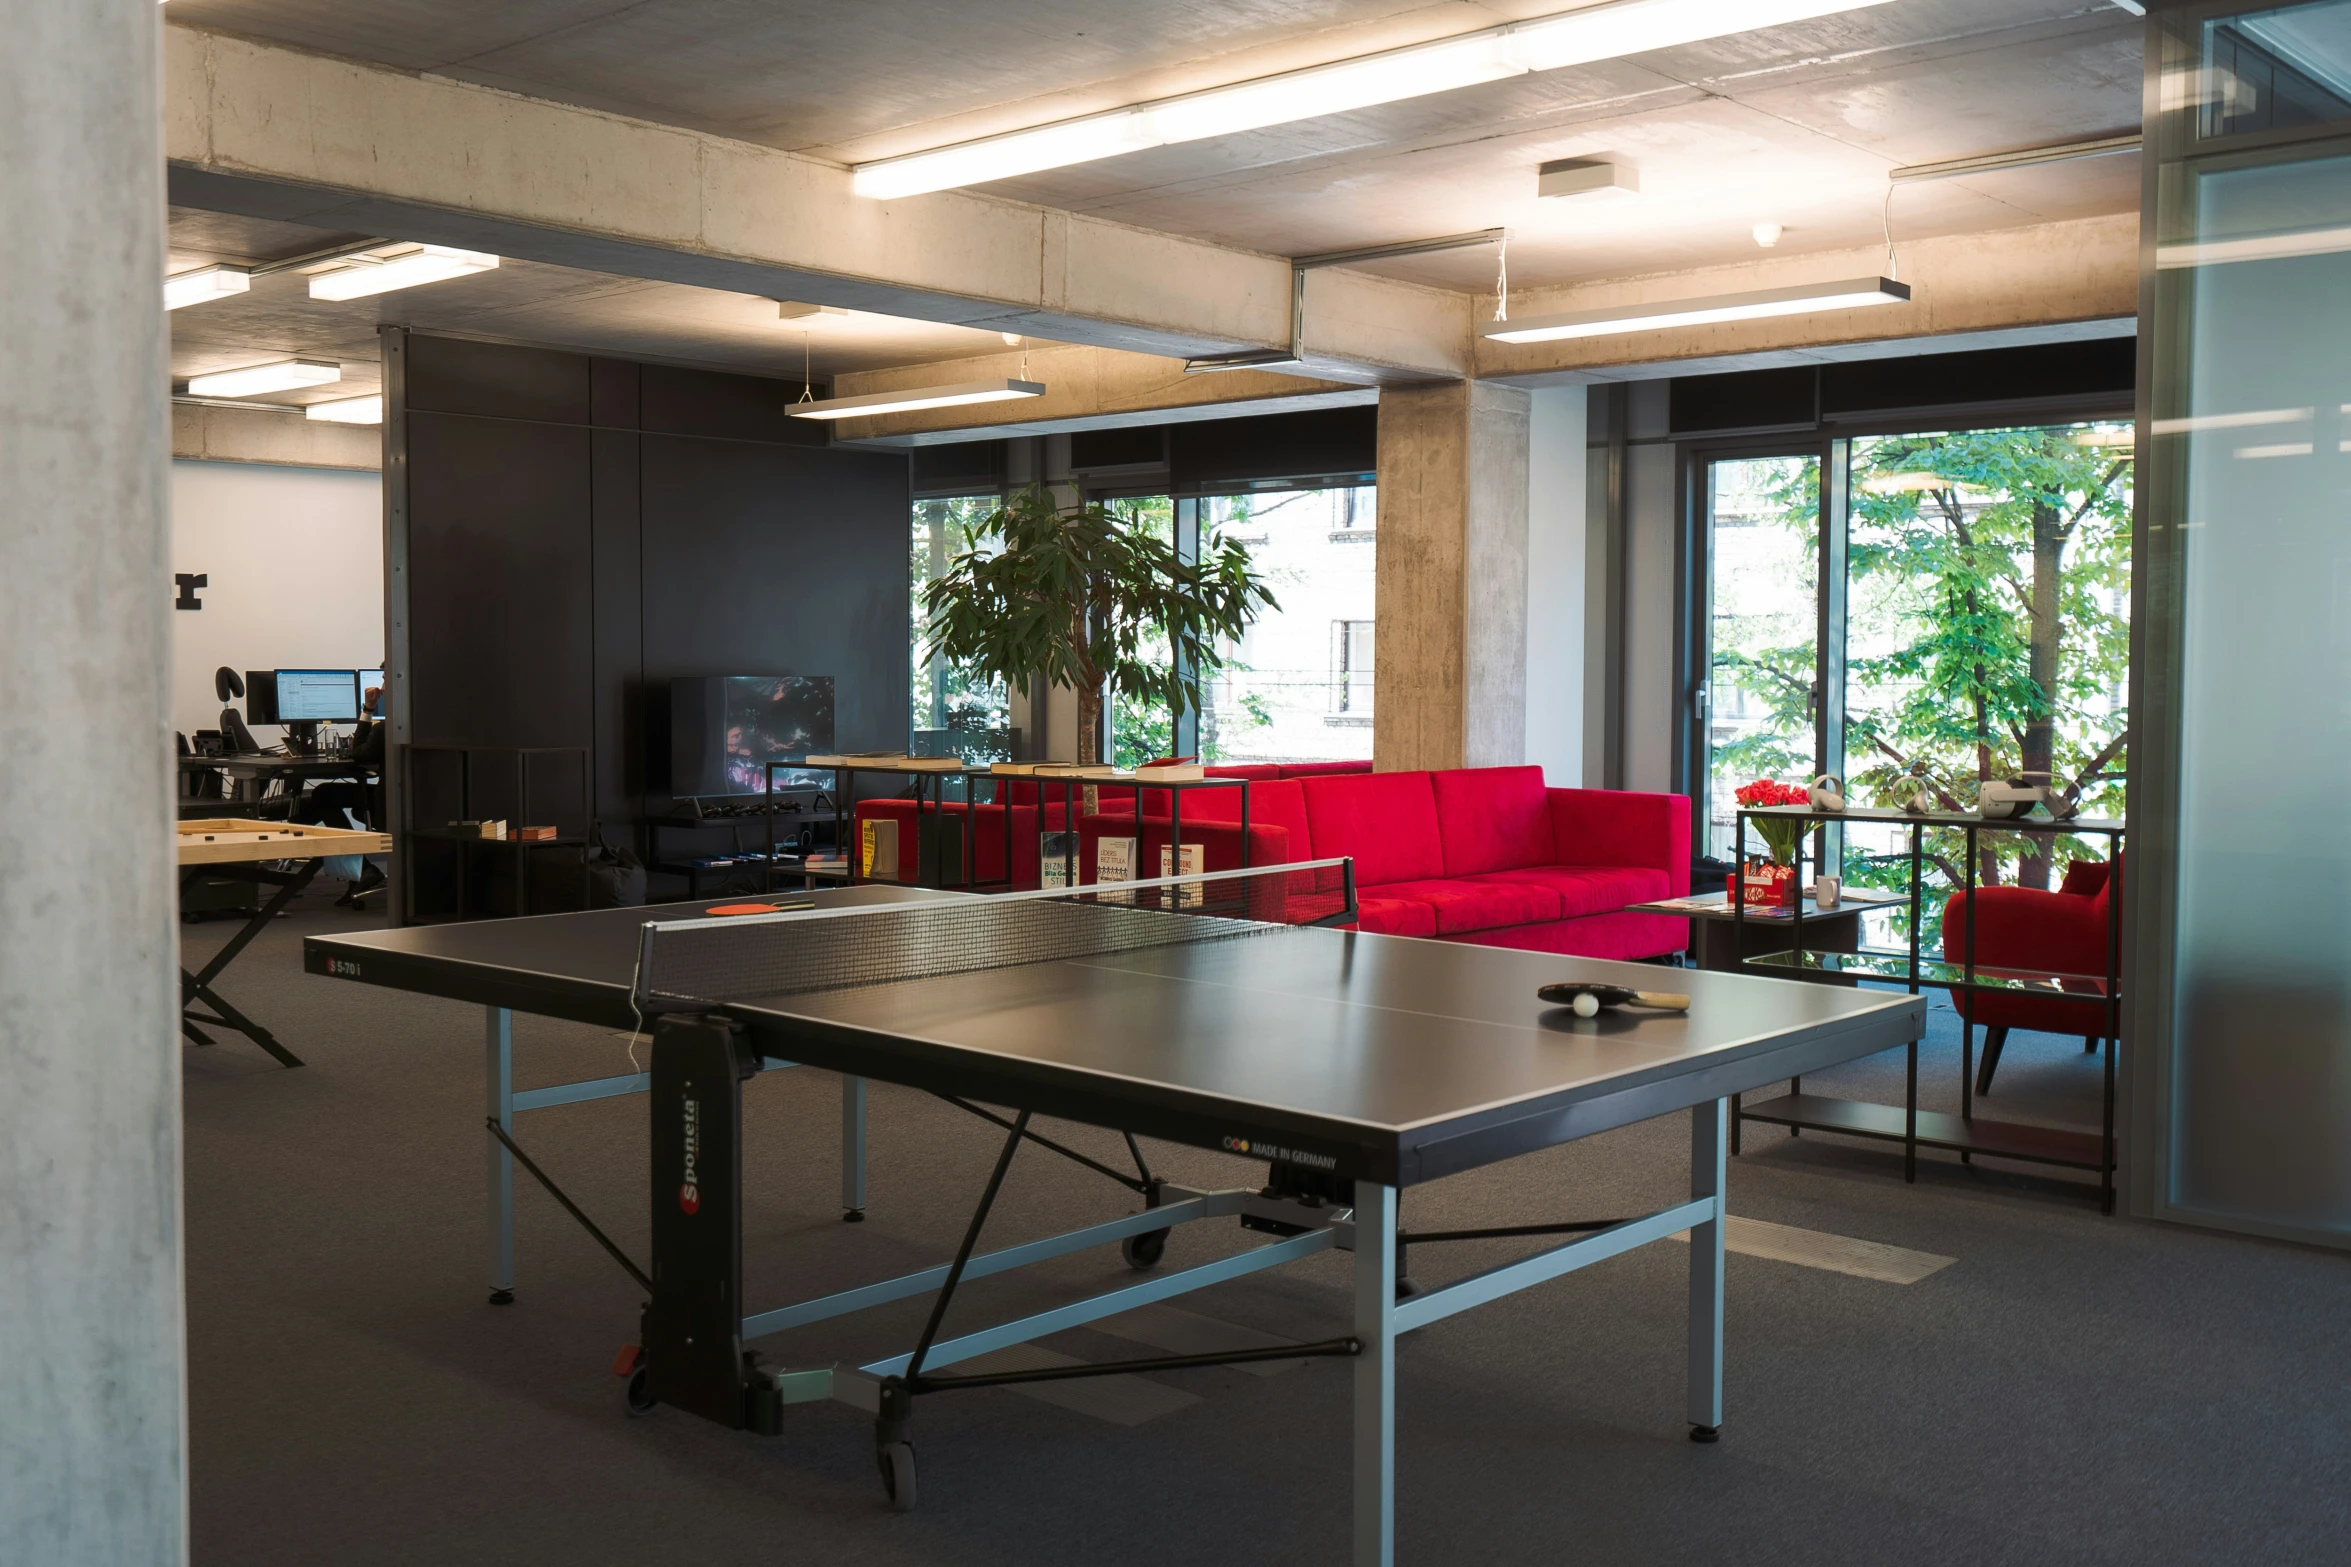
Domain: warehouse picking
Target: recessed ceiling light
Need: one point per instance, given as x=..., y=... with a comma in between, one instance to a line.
x=195, y=287
x=279, y=375
x=348, y=410
x=1597, y=177
x=367, y=274
x=1800, y=300
x=1768, y=234
x=918, y=397
x=1596, y=32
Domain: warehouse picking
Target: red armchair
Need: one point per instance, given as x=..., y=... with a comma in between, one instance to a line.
x=2027, y=930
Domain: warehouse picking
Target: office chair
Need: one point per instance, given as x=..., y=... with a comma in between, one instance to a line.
x=229, y=686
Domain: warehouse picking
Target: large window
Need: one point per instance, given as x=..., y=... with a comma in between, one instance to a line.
x=1978, y=630
x=1299, y=686
x=954, y=711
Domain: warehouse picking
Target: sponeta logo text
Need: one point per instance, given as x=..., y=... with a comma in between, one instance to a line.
x=690, y=1190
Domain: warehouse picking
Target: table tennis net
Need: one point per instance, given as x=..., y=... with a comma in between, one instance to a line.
x=689, y=964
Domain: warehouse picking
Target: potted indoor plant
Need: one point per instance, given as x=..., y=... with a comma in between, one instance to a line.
x=1074, y=595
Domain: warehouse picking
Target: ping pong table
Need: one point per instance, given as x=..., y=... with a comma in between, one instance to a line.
x=1224, y=1011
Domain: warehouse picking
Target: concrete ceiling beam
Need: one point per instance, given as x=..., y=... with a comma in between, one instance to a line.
x=1085, y=389
x=274, y=132
x=2038, y=282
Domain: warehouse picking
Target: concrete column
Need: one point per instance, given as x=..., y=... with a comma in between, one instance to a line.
x=1451, y=645
x=93, y=1438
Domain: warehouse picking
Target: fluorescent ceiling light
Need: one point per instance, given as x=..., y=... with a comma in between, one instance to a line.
x=1844, y=295
x=195, y=287
x=348, y=410
x=2248, y=419
x=279, y=375
x=915, y=397
x=366, y=275
x=1915, y=483
x=1587, y=177
x=1246, y=359
x=1597, y=32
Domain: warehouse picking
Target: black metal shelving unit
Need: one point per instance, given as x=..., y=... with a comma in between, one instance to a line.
x=472, y=844
x=1965, y=1133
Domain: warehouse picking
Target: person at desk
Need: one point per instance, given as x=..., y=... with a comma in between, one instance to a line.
x=356, y=804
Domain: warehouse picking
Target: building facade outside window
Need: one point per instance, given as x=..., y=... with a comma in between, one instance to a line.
x=1299, y=685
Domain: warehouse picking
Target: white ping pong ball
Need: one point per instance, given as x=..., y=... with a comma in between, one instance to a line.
x=1587, y=1005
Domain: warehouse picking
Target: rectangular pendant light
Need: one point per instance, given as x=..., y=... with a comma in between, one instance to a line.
x=347, y=410
x=279, y=375
x=182, y=289
x=915, y=397
x=425, y=264
x=1596, y=32
x=1848, y=294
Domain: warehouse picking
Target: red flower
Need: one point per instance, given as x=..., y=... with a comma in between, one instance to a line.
x=1763, y=791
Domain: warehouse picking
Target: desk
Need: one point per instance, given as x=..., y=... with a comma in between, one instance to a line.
x=256, y=852
x=253, y=772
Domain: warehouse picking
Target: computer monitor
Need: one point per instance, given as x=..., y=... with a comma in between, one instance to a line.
x=725, y=729
x=261, y=696
x=317, y=696
x=370, y=680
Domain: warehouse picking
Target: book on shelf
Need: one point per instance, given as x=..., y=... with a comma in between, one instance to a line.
x=1170, y=772
x=1101, y=774
x=1195, y=861
x=877, y=849
x=1055, y=852
x=1014, y=769
x=1114, y=859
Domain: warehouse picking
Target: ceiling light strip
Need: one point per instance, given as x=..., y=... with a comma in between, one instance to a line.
x=1597, y=32
x=2022, y=158
x=1845, y=294
x=919, y=397
x=277, y=375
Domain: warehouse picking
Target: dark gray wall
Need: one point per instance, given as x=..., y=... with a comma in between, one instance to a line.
x=582, y=530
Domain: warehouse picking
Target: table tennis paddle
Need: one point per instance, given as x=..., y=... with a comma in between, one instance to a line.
x=1587, y=999
x=724, y=909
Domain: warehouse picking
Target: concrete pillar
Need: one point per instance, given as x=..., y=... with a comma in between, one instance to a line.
x=93, y=1434
x=1451, y=648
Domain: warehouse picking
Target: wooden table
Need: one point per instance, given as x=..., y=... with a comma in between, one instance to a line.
x=273, y=854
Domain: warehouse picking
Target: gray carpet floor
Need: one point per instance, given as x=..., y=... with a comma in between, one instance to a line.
x=2070, y=1389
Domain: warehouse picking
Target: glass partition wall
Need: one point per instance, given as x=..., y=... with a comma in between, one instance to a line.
x=2240, y=979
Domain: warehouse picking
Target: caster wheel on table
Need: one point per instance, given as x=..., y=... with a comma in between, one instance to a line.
x=1144, y=1250
x=1705, y=1433
x=641, y=1401
x=853, y=1216
x=501, y=1297
x=896, y=1460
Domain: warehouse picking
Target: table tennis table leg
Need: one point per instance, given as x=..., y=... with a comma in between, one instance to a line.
x=1708, y=1178
x=853, y=1149
x=1375, y=1375
x=499, y=1037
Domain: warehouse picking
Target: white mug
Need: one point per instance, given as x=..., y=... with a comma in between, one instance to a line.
x=1826, y=890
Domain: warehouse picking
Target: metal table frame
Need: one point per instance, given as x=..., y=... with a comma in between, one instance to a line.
x=1966, y=1134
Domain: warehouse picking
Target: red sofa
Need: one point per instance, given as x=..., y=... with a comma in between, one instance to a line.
x=2027, y=930
x=1488, y=855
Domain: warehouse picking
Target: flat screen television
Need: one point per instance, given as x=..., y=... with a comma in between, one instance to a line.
x=725, y=729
